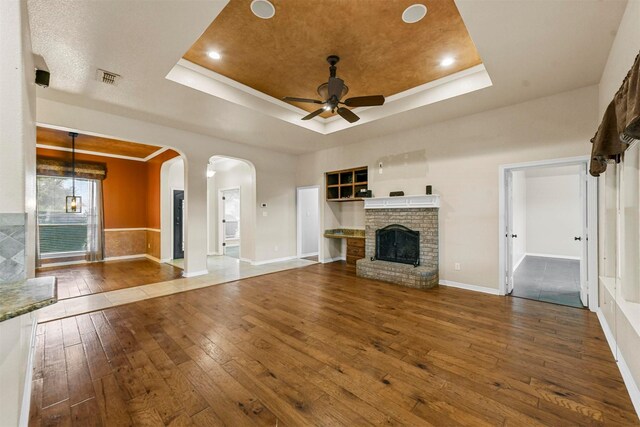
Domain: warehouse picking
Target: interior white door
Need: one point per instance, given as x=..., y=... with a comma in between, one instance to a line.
x=230, y=230
x=584, y=271
x=509, y=232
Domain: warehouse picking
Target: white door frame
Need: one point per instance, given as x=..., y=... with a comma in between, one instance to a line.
x=299, y=222
x=592, y=222
x=221, y=217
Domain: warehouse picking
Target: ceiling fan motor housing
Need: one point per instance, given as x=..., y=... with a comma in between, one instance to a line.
x=332, y=92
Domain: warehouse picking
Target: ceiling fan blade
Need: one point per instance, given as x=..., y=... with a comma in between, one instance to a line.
x=335, y=87
x=364, y=101
x=312, y=115
x=348, y=115
x=294, y=99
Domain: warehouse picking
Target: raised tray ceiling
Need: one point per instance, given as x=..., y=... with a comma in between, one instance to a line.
x=380, y=54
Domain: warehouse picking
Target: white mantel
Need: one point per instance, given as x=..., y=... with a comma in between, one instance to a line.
x=403, y=202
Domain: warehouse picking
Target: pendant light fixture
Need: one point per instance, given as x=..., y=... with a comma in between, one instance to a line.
x=74, y=203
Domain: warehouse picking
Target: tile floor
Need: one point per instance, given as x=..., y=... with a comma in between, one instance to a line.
x=222, y=269
x=552, y=280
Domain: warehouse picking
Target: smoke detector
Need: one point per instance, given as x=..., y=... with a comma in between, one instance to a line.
x=108, y=77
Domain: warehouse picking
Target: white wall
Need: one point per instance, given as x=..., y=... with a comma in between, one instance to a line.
x=554, y=215
x=460, y=158
x=17, y=193
x=309, y=217
x=17, y=120
x=519, y=218
x=231, y=173
x=176, y=176
x=615, y=311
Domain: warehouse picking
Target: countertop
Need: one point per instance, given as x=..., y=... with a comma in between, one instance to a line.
x=344, y=233
x=26, y=296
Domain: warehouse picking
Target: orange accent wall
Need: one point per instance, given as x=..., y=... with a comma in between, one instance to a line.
x=131, y=191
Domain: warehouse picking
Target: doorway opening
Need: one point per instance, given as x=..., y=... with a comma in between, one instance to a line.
x=231, y=212
x=546, y=221
x=308, y=219
x=172, y=212
x=178, y=224
x=229, y=226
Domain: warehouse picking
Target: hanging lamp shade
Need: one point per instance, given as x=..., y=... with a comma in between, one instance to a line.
x=73, y=203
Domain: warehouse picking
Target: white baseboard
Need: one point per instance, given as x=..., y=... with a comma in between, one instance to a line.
x=334, y=259
x=271, y=261
x=308, y=254
x=195, y=273
x=632, y=387
x=519, y=262
x=476, y=288
x=552, y=256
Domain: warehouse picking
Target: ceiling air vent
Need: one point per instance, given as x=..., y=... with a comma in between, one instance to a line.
x=108, y=77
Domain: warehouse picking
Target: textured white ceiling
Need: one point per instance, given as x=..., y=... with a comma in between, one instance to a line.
x=531, y=48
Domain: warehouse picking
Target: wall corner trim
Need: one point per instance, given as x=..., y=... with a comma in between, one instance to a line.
x=632, y=387
x=475, y=288
x=152, y=258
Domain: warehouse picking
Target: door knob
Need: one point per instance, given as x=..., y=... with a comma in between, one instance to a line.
x=514, y=235
x=577, y=238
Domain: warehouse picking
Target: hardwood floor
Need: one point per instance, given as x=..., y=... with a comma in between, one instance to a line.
x=85, y=279
x=319, y=346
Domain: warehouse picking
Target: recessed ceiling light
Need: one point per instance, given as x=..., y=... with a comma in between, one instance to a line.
x=414, y=13
x=447, y=61
x=263, y=9
x=214, y=55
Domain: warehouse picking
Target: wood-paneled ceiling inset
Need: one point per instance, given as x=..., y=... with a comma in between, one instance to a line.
x=379, y=53
x=96, y=144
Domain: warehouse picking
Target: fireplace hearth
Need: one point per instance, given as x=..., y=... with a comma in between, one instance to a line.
x=397, y=243
x=401, y=244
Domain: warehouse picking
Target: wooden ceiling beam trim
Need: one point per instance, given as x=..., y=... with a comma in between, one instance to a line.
x=93, y=144
x=93, y=153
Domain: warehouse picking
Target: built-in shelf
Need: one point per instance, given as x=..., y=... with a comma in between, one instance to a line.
x=343, y=185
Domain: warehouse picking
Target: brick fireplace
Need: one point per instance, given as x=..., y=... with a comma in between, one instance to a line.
x=418, y=215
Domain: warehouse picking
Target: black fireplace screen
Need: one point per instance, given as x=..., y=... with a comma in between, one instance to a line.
x=397, y=243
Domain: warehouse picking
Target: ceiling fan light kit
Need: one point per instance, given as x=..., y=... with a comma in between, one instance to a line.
x=332, y=92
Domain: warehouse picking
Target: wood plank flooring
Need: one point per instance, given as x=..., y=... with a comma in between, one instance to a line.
x=86, y=279
x=318, y=346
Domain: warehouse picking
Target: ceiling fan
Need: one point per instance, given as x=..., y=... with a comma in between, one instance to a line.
x=332, y=92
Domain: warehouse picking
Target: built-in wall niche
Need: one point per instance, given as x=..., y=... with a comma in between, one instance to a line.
x=344, y=185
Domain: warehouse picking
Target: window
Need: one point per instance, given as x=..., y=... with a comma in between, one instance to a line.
x=61, y=233
x=609, y=241
x=630, y=224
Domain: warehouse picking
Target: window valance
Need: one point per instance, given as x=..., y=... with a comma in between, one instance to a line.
x=56, y=167
x=620, y=124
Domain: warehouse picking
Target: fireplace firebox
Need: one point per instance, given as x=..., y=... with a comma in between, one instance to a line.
x=397, y=243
